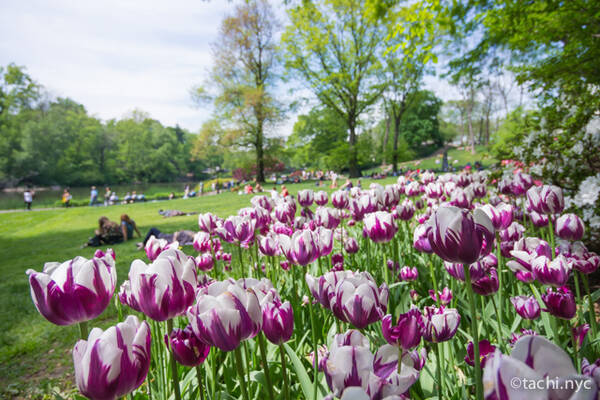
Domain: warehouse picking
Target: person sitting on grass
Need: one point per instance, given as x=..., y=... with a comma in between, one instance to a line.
x=184, y=237
x=108, y=232
x=128, y=227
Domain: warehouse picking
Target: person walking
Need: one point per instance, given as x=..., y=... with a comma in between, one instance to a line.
x=28, y=198
x=66, y=198
x=93, y=196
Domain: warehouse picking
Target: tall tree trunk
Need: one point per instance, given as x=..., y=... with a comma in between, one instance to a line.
x=386, y=138
x=471, y=133
x=396, y=135
x=353, y=161
x=260, y=162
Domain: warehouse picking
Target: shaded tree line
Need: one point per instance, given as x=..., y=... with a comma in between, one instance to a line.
x=55, y=141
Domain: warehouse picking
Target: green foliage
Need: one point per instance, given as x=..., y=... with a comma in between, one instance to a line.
x=420, y=126
x=512, y=132
x=333, y=46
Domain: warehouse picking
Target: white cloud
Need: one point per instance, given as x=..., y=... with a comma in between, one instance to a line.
x=115, y=56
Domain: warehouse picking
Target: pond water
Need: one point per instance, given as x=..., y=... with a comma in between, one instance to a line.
x=47, y=197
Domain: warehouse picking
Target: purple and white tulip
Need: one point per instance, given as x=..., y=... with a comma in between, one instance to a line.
x=114, y=362
x=225, y=314
x=526, y=307
x=560, y=303
x=75, y=291
x=380, y=226
x=187, y=349
x=407, y=331
x=458, y=236
x=156, y=246
x=569, y=227
x=440, y=324
x=278, y=321
x=166, y=287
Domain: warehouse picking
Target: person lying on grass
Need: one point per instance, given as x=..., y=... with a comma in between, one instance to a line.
x=174, y=213
x=184, y=237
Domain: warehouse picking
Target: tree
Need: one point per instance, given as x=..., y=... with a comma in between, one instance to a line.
x=333, y=45
x=19, y=96
x=316, y=140
x=420, y=125
x=244, y=78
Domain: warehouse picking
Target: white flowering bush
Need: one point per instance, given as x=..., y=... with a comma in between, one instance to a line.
x=565, y=158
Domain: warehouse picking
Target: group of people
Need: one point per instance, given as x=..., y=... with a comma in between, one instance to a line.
x=110, y=232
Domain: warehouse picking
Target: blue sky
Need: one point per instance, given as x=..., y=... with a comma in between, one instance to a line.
x=117, y=56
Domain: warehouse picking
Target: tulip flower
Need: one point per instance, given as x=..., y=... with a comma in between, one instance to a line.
x=202, y=242
x=259, y=216
x=350, y=245
x=486, y=350
x=500, y=215
x=365, y=204
x=405, y=210
x=440, y=324
x=409, y=274
x=579, y=333
x=204, y=262
x=412, y=189
x=114, y=362
x=187, y=349
x=460, y=198
x=324, y=241
x=560, y=303
x=458, y=236
x=569, y=227
x=421, y=239
x=445, y=296
x=100, y=254
x=591, y=370
x=477, y=270
x=535, y=359
x=127, y=298
x=278, y=321
x=238, y=229
x=269, y=245
x=225, y=314
x=380, y=226
x=321, y=198
x=208, y=222
x=526, y=307
x=327, y=217
x=358, y=300
x=306, y=197
x=350, y=363
x=156, y=246
x=165, y=288
x=539, y=220
x=513, y=233
x=302, y=248
x=434, y=190
x=551, y=272
x=407, y=331
x=521, y=183
x=75, y=291
x=486, y=285
x=284, y=212
x=340, y=199
x=263, y=202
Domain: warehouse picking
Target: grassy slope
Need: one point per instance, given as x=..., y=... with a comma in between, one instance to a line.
x=35, y=353
x=462, y=156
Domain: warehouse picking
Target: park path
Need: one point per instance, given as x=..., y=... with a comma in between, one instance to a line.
x=33, y=209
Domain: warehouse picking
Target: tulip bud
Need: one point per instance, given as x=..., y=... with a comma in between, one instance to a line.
x=187, y=349
x=486, y=285
x=407, y=331
x=440, y=324
x=569, y=227
x=278, y=321
x=321, y=198
x=350, y=245
x=306, y=197
x=526, y=307
x=560, y=303
x=207, y=222
x=486, y=350
x=409, y=274
x=340, y=199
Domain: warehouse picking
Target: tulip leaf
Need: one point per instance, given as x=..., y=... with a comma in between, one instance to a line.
x=258, y=376
x=516, y=323
x=305, y=382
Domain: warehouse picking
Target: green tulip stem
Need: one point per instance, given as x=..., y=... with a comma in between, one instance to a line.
x=200, y=386
x=438, y=371
x=434, y=281
x=239, y=364
x=286, y=383
x=474, y=334
x=500, y=291
x=592, y=310
x=314, y=342
x=263, y=352
x=578, y=294
x=174, y=376
x=83, y=330
x=499, y=325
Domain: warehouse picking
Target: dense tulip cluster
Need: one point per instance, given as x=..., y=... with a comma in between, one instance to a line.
x=428, y=268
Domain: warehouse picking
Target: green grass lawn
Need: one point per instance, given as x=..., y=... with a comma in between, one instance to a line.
x=462, y=157
x=35, y=355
